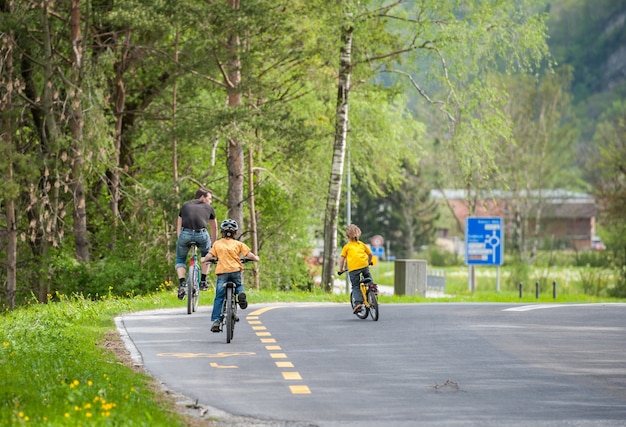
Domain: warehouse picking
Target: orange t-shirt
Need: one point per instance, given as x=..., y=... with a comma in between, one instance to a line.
x=228, y=252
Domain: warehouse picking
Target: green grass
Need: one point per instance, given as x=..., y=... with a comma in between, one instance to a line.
x=56, y=367
x=56, y=370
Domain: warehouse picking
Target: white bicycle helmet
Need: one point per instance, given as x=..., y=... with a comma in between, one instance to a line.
x=229, y=225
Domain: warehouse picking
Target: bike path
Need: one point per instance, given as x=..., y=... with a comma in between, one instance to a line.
x=421, y=364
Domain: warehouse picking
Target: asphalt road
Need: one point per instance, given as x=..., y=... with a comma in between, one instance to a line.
x=442, y=364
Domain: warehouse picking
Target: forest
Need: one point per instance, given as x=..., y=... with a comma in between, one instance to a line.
x=112, y=114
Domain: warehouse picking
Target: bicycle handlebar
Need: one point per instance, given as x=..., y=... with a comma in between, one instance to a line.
x=242, y=260
x=343, y=271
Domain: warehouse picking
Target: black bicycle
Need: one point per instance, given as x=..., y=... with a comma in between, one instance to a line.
x=228, y=316
x=369, y=290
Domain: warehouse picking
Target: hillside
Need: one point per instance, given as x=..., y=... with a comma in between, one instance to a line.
x=591, y=37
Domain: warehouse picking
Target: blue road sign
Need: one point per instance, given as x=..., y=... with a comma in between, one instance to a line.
x=378, y=251
x=484, y=244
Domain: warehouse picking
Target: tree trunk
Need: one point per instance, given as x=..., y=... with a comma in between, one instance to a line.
x=253, y=228
x=6, y=136
x=234, y=157
x=119, y=111
x=339, y=153
x=76, y=126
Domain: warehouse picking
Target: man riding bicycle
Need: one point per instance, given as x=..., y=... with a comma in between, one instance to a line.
x=193, y=219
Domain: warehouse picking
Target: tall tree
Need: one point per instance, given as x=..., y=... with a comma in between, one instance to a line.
x=607, y=162
x=8, y=185
x=76, y=129
x=540, y=155
x=339, y=150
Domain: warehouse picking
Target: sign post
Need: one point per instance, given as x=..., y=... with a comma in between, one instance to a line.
x=484, y=243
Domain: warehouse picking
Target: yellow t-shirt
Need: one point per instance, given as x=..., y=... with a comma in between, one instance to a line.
x=228, y=251
x=356, y=254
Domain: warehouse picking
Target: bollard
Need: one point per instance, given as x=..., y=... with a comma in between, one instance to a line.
x=520, y=289
x=554, y=289
x=537, y=290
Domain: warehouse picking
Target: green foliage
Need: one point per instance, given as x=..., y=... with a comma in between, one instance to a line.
x=595, y=281
x=111, y=276
x=519, y=272
x=437, y=257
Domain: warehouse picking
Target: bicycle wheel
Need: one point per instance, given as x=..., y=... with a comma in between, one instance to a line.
x=191, y=288
x=196, y=288
x=229, y=319
x=373, y=302
x=364, y=310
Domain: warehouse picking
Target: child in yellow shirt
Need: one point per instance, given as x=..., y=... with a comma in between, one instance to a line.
x=358, y=256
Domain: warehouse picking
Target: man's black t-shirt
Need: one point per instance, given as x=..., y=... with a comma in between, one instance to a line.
x=196, y=214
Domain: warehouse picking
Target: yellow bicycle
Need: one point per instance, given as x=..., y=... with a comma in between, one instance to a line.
x=370, y=298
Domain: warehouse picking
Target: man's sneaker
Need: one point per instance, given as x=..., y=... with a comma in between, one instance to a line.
x=243, y=302
x=204, y=285
x=182, y=290
x=216, y=326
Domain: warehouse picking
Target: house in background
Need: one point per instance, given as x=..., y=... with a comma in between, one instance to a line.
x=567, y=219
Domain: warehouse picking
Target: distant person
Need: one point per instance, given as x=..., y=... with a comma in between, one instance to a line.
x=228, y=252
x=358, y=256
x=193, y=219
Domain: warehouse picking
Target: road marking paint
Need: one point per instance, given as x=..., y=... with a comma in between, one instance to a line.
x=215, y=365
x=284, y=364
x=262, y=310
x=542, y=306
x=292, y=376
x=299, y=389
x=253, y=319
x=208, y=355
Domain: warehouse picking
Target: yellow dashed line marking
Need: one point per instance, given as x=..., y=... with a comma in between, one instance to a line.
x=284, y=364
x=292, y=376
x=299, y=389
x=253, y=319
x=262, y=310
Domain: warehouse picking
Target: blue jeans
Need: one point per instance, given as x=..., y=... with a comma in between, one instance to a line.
x=220, y=291
x=202, y=239
x=355, y=279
